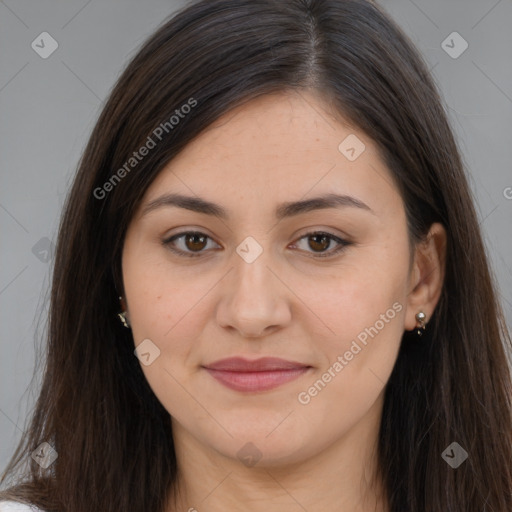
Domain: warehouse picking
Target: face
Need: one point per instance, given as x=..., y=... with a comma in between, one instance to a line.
x=321, y=286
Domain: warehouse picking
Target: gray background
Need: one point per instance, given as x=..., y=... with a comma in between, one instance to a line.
x=48, y=108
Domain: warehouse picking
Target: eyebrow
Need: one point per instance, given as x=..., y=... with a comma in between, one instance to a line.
x=284, y=210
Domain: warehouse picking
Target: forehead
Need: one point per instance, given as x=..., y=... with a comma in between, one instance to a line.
x=277, y=148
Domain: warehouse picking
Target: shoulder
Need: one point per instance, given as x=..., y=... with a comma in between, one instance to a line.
x=14, y=506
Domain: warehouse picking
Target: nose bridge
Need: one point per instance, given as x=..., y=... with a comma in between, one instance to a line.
x=251, y=269
x=253, y=302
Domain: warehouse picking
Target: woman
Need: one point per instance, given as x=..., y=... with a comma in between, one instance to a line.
x=270, y=292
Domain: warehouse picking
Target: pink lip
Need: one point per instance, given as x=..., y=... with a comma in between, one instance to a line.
x=259, y=375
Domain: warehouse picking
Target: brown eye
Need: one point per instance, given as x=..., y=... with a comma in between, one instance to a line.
x=195, y=241
x=192, y=243
x=319, y=243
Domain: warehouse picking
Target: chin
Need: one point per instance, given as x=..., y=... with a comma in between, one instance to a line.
x=266, y=447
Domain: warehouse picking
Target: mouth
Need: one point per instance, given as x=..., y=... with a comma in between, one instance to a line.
x=263, y=374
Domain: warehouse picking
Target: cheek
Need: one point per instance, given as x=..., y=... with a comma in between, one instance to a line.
x=368, y=323
x=364, y=306
x=157, y=296
x=367, y=289
x=165, y=307
x=168, y=307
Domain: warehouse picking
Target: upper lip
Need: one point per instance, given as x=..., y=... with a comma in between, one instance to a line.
x=239, y=364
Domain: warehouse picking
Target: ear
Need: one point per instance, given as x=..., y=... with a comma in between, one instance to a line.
x=427, y=276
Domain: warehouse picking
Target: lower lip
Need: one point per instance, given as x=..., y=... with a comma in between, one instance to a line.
x=256, y=381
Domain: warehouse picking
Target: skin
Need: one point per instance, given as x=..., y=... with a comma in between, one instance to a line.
x=288, y=303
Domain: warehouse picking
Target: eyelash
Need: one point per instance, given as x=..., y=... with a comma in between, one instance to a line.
x=343, y=243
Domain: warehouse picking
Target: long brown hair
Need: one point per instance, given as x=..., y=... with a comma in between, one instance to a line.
x=96, y=409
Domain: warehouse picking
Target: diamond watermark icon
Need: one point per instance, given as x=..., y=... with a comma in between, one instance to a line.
x=43, y=249
x=147, y=352
x=249, y=454
x=44, y=455
x=44, y=45
x=454, y=45
x=249, y=249
x=454, y=455
x=351, y=147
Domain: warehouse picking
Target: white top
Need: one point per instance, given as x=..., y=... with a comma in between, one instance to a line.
x=14, y=506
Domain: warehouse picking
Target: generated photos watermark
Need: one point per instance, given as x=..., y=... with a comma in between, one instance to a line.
x=152, y=140
x=304, y=397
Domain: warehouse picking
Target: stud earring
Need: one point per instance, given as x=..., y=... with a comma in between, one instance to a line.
x=122, y=316
x=420, y=317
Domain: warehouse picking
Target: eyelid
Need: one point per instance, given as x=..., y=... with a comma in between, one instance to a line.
x=342, y=243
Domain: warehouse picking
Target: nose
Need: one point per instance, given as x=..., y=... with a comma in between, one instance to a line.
x=254, y=301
